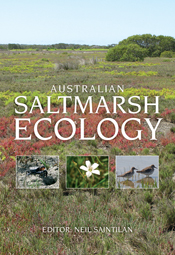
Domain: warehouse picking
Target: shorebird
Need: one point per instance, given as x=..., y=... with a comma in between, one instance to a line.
x=128, y=174
x=147, y=170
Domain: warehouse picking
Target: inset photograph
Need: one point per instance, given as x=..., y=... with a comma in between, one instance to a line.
x=87, y=172
x=37, y=172
x=139, y=172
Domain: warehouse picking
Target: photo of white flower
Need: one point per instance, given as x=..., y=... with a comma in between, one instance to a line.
x=87, y=172
x=90, y=168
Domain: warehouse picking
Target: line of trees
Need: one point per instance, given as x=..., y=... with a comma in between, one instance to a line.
x=16, y=46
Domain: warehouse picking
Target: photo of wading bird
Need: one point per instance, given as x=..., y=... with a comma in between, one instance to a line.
x=147, y=170
x=128, y=174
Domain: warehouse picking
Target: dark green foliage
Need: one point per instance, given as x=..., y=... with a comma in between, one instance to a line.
x=148, y=197
x=172, y=117
x=45, y=59
x=145, y=151
x=145, y=211
x=3, y=47
x=170, y=148
x=167, y=209
x=116, y=151
x=155, y=45
x=166, y=60
x=130, y=52
x=92, y=143
x=12, y=46
x=172, y=129
x=167, y=54
x=156, y=53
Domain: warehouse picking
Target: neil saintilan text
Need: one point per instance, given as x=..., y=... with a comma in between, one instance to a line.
x=88, y=105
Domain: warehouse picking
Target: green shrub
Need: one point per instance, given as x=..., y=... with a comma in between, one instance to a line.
x=92, y=143
x=155, y=45
x=172, y=116
x=116, y=151
x=156, y=53
x=145, y=151
x=168, y=213
x=166, y=60
x=148, y=197
x=172, y=129
x=130, y=52
x=166, y=54
x=45, y=59
x=170, y=148
x=67, y=66
x=145, y=211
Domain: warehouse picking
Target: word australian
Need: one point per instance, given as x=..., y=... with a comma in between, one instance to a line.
x=88, y=106
x=87, y=89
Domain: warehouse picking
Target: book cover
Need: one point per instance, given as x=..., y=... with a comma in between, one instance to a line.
x=87, y=128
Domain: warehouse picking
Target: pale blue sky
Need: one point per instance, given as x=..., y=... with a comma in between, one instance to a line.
x=99, y=22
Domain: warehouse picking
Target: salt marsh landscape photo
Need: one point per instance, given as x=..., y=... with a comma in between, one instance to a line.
x=87, y=127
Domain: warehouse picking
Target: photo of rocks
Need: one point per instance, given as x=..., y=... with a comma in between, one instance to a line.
x=37, y=172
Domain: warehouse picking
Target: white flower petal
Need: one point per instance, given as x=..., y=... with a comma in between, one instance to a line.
x=88, y=164
x=88, y=174
x=96, y=172
x=84, y=168
x=95, y=165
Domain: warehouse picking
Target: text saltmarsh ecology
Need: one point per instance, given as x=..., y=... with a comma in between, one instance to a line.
x=118, y=103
